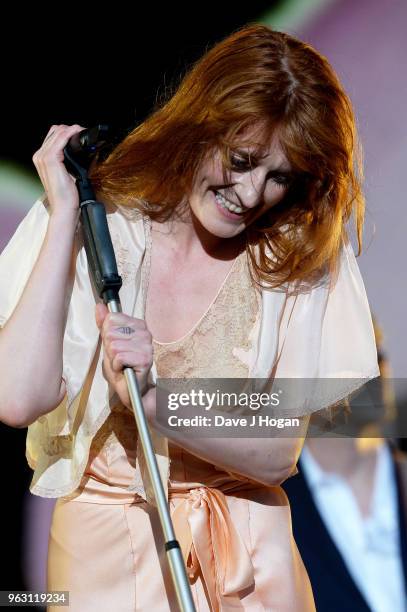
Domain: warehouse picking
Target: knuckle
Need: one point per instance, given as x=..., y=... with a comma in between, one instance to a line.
x=114, y=347
x=47, y=157
x=109, y=335
x=108, y=322
x=111, y=317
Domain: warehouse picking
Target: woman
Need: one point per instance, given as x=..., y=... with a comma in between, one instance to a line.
x=227, y=211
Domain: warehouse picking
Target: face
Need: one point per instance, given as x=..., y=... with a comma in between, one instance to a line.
x=253, y=188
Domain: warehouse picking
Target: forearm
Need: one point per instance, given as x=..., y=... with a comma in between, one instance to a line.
x=31, y=341
x=266, y=460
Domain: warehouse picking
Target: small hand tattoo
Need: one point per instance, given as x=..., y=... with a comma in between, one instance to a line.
x=126, y=330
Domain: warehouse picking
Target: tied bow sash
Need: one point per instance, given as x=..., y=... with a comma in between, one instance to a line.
x=210, y=541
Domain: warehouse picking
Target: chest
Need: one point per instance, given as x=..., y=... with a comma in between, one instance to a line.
x=178, y=297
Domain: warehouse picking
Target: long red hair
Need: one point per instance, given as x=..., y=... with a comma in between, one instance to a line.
x=254, y=76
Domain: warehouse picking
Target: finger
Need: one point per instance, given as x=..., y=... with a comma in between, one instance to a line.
x=116, y=320
x=138, y=361
x=101, y=311
x=142, y=350
x=126, y=330
x=140, y=336
x=107, y=370
x=107, y=367
x=108, y=320
x=51, y=131
x=60, y=134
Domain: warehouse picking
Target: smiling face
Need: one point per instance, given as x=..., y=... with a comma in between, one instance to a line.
x=255, y=184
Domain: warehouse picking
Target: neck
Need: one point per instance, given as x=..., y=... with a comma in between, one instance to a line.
x=186, y=237
x=344, y=456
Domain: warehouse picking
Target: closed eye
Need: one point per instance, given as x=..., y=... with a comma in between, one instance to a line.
x=282, y=180
x=240, y=164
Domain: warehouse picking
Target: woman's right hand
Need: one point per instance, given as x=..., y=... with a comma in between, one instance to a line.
x=59, y=185
x=126, y=341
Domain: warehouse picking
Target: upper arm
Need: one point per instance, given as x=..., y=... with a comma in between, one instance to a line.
x=61, y=395
x=62, y=392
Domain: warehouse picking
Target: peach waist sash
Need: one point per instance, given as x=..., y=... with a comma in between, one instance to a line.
x=210, y=542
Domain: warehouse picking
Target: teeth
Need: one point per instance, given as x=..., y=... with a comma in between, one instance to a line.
x=227, y=204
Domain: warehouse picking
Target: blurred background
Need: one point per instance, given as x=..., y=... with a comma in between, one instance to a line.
x=112, y=68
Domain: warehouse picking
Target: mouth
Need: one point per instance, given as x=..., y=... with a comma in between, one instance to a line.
x=223, y=206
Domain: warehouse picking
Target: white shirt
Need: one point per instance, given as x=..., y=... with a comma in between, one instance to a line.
x=370, y=547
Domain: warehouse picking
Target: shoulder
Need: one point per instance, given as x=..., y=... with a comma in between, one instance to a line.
x=126, y=219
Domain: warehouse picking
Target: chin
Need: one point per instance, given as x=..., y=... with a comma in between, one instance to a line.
x=222, y=230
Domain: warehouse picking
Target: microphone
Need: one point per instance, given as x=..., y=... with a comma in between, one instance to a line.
x=84, y=145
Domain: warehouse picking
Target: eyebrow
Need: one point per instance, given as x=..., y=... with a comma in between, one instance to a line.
x=283, y=170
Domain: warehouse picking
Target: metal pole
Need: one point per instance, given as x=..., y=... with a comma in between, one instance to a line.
x=172, y=546
x=103, y=270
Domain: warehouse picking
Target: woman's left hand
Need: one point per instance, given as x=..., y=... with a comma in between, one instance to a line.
x=126, y=341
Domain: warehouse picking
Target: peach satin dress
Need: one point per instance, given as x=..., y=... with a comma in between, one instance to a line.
x=106, y=545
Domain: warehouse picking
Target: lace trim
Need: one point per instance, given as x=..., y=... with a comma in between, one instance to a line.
x=145, y=271
x=66, y=445
x=119, y=427
x=204, y=353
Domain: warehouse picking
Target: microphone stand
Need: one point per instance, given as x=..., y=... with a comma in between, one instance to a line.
x=107, y=281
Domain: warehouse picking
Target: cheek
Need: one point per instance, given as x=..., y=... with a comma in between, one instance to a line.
x=274, y=194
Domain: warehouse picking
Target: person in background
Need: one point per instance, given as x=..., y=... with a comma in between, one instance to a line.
x=349, y=504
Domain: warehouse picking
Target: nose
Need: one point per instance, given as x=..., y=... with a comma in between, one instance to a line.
x=250, y=187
